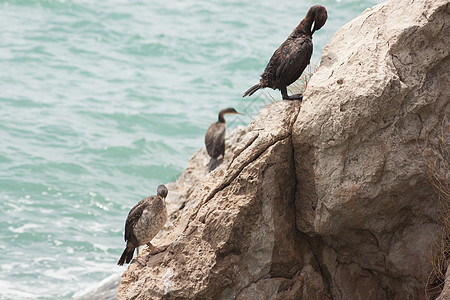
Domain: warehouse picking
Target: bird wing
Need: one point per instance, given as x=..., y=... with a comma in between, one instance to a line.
x=133, y=216
x=215, y=139
x=295, y=55
x=269, y=75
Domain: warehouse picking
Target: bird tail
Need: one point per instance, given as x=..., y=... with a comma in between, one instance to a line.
x=127, y=255
x=252, y=90
x=212, y=164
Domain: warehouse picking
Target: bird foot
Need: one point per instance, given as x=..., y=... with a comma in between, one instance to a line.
x=157, y=250
x=294, y=97
x=139, y=262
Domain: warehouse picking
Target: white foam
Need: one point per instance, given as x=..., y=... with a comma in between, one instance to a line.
x=101, y=247
x=11, y=291
x=108, y=283
x=23, y=228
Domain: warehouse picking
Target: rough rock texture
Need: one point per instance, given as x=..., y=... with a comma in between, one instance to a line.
x=382, y=90
x=445, y=295
x=328, y=199
x=237, y=236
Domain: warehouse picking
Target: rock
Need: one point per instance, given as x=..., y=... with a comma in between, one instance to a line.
x=380, y=94
x=241, y=225
x=445, y=295
x=328, y=199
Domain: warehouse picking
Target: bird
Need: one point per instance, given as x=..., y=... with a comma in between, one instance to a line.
x=215, y=137
x=144, y=221
x=290, y=60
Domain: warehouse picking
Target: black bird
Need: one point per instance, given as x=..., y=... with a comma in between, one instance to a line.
x=291, y=58
x=144, y=221
x=215, y=137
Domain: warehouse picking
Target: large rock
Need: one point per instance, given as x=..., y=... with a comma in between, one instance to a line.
x=445, y=295
x=237, y=237
x=328, y=199
x=381, y=93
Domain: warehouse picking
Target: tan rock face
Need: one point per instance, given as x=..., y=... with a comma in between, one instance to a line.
x=382, y=90
x=446, y=290
x=241, y=239
x=328, y=199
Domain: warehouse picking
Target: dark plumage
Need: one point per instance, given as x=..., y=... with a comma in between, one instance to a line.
x=291, y=58
x=215, y=137
x=144, y=221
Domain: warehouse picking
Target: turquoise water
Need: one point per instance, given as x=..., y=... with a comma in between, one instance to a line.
x=101, y=101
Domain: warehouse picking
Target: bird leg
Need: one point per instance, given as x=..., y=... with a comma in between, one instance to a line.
x=159, y=249
x=152, y=250
x=137, y=258
x=138, y=261
x=285, y=95
x=155, y=250
x=220, y=160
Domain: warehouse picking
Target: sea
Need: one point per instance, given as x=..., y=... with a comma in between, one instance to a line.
x=102, y=101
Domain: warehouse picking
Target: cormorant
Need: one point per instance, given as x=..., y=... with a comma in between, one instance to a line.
x=291, y=58
x=215, y=137
x=144, y=221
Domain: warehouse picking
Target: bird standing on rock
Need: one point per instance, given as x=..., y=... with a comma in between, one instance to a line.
x=290, y=60
x=215, y=137
x=144, y=221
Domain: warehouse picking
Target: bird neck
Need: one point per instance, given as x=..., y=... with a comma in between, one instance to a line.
x=162, y=200
x=305, y=25
x=221, y=118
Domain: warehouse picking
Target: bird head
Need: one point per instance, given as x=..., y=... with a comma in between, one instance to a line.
x=230, y=111
x=162, y=192
x=320, y=17
x=227, y=111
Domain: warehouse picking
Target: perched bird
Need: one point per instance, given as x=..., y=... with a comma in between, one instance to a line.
x=215, y=137
x=144, y=221
x=291, y=58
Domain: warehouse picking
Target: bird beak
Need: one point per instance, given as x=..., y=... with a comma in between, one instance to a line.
x=163, y=200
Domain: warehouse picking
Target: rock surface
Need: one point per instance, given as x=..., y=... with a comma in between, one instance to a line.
x=382, y=90
x=445, y=295
x=328, y=199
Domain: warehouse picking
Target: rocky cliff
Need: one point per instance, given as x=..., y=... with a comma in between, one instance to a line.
x=328, y=199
